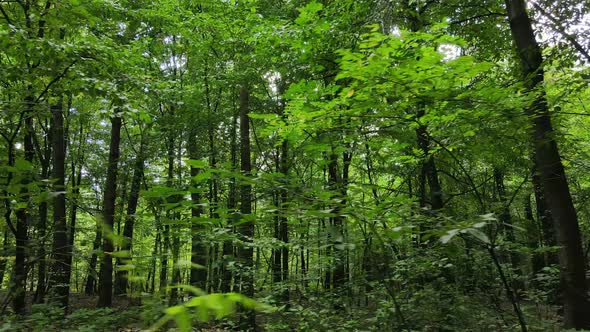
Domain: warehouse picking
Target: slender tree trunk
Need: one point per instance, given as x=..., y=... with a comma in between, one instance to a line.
x=42, y=233
x=284, y=226
x=59, y=278
x=198, y=273
x=276, y=252
x=232, y=202
x=176, y=275
x=505, y=216
x=553, y=179
x=23, y=216
x=122, y=274
x=428, y=171
x=164, y=248
x=91, y=280
x=7, y=203
x=506, y=226
x=170, y=231
x=246, y=226
x=535, y=236
x=76, y=181
x=545, y=220
x=338, y=186
x=105, y=285
x=5, y=252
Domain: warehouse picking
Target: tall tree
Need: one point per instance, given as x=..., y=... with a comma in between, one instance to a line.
x=59, y=278
x=246, y=223
x=105, y=286
x=554, y=182
x=122, y=275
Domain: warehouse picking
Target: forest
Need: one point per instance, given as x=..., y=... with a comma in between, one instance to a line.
x=294, y=165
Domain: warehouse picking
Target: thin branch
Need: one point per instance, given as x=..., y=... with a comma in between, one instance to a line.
x=8, y=20
x=477, y=17
x=559, y=28
x=55, y=80
x=469, y=178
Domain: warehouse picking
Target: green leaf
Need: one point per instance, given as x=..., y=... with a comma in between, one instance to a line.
x=197, y=163
x=479, y=235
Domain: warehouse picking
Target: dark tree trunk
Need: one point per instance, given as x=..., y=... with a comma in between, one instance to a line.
x=232, y=202
x=121, y=277
x=42, y=233
x=170, y=231
x=76, y=181
x=553, y=179
x=91, y=280
x=534, y=236
x=276, y=253
x=246, y=225
x=506, y=225
x=545, y=219
x=338, y=184
x=105, y=286
x=45, y=161
x=5, y=253
x=7, y=205
x=22, y=215
x=164, y=249
x=284, y=226
x=176, y=276
x=428, y=171
x=198, y=274
x=59, y=283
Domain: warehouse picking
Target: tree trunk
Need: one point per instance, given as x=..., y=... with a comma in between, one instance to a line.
x=246, y=226
x=5, y=253
x=552, y=174
x=91, y=280
x=22, y=215
x=105, y=286
x=198, y=273
x=42, y=233
x=276, y=252
x=7, y=205
x=59, y=278
x=122, y=275
x=428, y=171
x=545, y=220
x=284, y=226
x=76, y=181
x=232, y=202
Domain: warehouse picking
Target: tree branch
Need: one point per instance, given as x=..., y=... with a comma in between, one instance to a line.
x=55, y=80
x=8, y=20
x=559, y=28
x=477, y=17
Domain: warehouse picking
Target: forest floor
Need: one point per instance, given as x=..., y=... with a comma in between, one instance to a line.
x=125, y=315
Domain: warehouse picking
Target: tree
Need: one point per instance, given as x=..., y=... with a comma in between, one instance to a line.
x=59, y=277
x=105, y=286
x=554, y=182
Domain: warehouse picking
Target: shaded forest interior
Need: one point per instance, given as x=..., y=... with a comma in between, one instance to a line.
x=294, y=165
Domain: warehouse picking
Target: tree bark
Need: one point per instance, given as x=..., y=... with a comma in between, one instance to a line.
x=552, y=174
x=59, y=278
x=545, y=220
x=105, y=286
x=91, y=280
x=23, y=215
x=76, y=178
x=232, y=202
x=5, y=253
x=198, y=273
x=246, y=225
x=122, y=275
